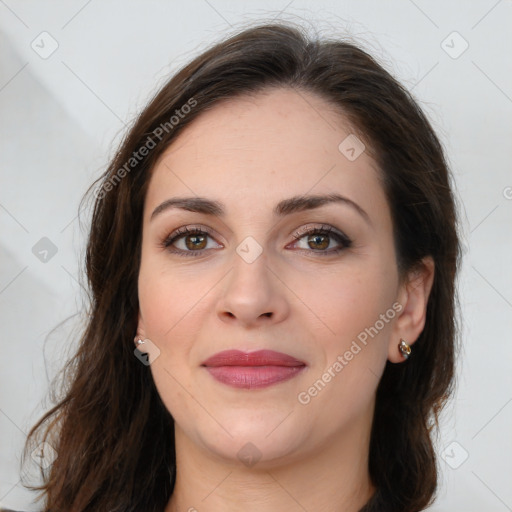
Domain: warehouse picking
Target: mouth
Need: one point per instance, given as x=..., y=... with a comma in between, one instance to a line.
x=252, y=370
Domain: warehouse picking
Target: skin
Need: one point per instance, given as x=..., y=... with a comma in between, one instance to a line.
x=250, y=153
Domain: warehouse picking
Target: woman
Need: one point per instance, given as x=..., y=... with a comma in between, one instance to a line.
x=272, y=263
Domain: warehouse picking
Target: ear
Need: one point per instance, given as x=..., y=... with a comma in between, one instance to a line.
x=141, y=329
x=413, y=297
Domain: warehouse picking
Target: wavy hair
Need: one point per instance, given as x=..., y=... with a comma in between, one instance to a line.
x=112, y=433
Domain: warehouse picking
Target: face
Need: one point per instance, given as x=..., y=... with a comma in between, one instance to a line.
x=307, y=294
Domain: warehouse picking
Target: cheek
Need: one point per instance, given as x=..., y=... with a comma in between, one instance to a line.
x=356, y=310
x=167, y=308
x=359, y=309
x=347, y=301
x=345, y=379
x=169, y=299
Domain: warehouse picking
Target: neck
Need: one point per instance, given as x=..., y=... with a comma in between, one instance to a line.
x=334, y=478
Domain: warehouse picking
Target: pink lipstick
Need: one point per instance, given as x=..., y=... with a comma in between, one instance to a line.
x=251, y=370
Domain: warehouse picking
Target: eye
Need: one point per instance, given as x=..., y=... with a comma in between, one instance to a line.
x=193, y=241
x=319, y=239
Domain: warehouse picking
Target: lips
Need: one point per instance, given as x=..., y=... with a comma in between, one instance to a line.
x=250, y=370
x=258, y=358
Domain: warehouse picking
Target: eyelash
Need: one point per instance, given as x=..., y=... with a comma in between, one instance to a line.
x=179, y=233
x=298, y=235
x=325, y=229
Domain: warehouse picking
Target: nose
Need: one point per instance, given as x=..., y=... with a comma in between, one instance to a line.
x=253, y=295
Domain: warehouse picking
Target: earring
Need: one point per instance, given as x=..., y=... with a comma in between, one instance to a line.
x=405, y=348
x=139, y=340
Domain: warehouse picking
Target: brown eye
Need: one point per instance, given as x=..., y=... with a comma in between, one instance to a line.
x=194, y=242
x=188, y=241
x=318, y=241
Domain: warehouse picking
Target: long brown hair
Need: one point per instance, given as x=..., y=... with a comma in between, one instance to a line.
x=113, y=435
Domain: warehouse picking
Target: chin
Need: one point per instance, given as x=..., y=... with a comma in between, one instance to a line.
x=259, y=442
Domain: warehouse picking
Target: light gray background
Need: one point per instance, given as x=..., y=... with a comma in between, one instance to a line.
x=61, y=117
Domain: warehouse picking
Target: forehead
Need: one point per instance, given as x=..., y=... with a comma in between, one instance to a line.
x=258, y=149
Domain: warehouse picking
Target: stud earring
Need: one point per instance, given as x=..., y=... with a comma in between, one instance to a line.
x=405, y=348
x=139, y=340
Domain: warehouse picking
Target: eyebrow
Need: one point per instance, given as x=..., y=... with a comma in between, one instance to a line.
x=284, y=207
